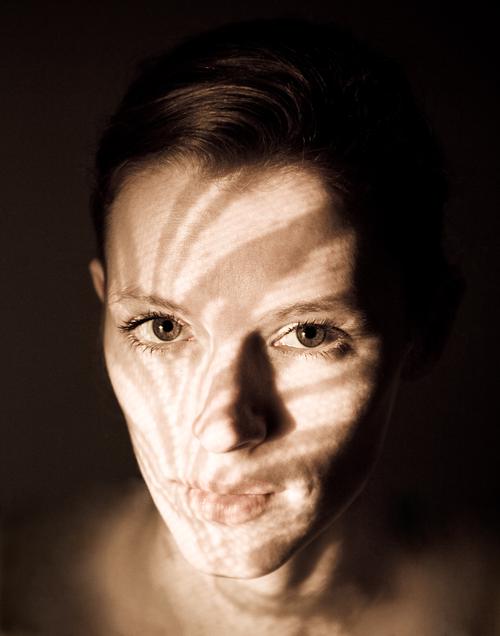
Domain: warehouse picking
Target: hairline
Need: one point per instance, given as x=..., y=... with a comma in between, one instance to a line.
x=213, y=169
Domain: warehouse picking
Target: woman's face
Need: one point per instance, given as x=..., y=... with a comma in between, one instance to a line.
x=246, y=360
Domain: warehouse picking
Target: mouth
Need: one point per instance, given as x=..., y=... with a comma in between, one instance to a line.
x=229, y=508
x=230, y=504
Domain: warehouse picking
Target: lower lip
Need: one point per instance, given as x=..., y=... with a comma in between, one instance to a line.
x=229, y=510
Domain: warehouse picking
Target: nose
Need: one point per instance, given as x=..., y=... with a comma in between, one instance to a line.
x=235, y=413
x=228, y=432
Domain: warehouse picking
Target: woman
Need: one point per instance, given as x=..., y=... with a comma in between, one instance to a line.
x=268, y=209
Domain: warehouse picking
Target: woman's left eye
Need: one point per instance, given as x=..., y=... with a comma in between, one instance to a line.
x=310, y=336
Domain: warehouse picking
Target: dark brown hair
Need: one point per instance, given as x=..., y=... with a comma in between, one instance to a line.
x=287, y=91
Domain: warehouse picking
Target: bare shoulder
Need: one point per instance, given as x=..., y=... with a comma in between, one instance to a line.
x=451, y=588
x=59, y=565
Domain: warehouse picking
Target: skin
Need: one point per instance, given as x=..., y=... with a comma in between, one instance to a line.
x=236, y=403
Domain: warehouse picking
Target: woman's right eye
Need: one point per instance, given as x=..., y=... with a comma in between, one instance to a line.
x=152, y=331
x=165, y=329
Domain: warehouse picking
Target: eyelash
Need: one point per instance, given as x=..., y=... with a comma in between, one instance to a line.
x=129, y=326
x=339, y=347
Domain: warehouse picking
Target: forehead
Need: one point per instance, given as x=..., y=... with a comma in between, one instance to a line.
x=176, y=232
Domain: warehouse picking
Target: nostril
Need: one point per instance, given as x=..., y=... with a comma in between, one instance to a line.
x=226, y=431
x=253, y=422
x=221, y=437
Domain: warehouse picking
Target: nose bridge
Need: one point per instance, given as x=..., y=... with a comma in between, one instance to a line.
x=220, y=389
x=223, y=423
x=221, y=372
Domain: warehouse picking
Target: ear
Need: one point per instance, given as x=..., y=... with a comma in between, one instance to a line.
x=96, y=270
x=430, y=339
x=418, y=360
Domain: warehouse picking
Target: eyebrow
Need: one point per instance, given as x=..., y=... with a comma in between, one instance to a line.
x=342, y=304
x=148, y=299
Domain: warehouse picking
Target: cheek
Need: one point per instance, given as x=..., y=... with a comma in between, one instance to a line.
x=340, y=414
x=151, y=392
x=328, y=398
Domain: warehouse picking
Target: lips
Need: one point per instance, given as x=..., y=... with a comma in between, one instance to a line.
x=228, y=504
x=229, y=508
x=241, y=488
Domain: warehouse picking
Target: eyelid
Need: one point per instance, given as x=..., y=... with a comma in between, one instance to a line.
x=324, y=323
x=137, y=321
x=152, y=345
x=341, y=344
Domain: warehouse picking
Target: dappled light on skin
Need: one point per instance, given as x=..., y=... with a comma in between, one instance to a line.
x=250, y=442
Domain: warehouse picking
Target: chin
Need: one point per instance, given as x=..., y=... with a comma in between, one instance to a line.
x=240, y=553
x=245, y=546
x=242, y=566
x=244, y=553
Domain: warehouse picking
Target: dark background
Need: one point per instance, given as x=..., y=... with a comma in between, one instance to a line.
x=63, y=67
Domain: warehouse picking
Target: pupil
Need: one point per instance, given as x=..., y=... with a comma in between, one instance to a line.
x=166, y=329
x=167, y=325
x=310, y=332
x=311, y=335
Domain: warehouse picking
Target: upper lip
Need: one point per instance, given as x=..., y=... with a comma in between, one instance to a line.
x=240, y=488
